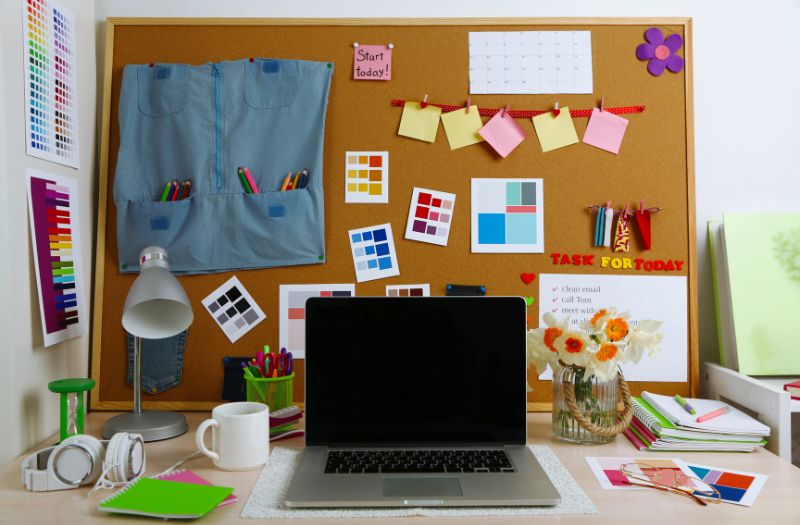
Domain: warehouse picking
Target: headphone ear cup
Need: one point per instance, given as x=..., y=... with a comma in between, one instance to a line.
x=91, y=445
x=126, y=453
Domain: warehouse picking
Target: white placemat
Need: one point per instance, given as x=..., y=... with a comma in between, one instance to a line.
x=266, y=499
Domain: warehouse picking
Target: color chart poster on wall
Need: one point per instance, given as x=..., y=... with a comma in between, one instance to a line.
x=55, y=232
x=292, y=324
x=580, y=296
x=51, y=93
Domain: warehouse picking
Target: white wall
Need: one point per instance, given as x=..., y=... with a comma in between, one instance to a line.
x=747, y=109
x=29, y=412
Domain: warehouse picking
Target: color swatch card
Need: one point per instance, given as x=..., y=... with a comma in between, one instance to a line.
x=503, y=133
x=408, y=290
x=55, y=234
x=555, y=131
x=367, y=179
x=292, y=322
x=654, y=469
x=419, y=123
x=234, y=309
x=51, y=92
x=430, y=216
x=507, y=216
x=734, y=486
x=374, y=256
x=519, y=62
x=461, y=127
x=605, y=130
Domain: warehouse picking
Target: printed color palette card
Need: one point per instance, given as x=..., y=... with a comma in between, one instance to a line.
x=734, y=486
x=292, y=322
x=657, y=470
x=234, y=309
x=430, y=216
x=507, y=216
x=408, y=290
x=367, y=177
x=374, y=256
x=55, y=233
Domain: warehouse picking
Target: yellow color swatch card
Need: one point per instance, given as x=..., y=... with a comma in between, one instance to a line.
x=462, y=127
x=555, y=132
x=418, y=123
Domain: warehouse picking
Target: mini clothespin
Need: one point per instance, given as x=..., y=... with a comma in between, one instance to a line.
x=469, y=103
x=504, y=110
x=556, y=111
x=424, y=103
x=602, y=104
x=355, y=44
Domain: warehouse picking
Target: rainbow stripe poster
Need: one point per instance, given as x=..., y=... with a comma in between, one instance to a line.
x=51, y=95
x=55, y=232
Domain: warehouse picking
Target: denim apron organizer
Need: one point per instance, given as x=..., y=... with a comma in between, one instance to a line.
x=162, y=362
x=202, y=122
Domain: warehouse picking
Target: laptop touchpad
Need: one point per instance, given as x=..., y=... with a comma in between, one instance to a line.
x=421, y=487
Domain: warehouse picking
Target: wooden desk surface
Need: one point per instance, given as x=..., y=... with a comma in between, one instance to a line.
x=777, y=502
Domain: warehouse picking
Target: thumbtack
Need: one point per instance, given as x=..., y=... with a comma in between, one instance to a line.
x=424, y=103
x=252, y=60
x=355, y=44
x=390, y=45
x=152, y=65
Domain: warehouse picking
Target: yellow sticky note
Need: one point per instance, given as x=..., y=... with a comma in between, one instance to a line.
x=462, y=127
x=419, y=123
x=555, y=132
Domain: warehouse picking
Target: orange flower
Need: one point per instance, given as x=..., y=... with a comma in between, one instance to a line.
x=573, y=345
x=550, y=336
x=616, y=329
x=596, y=317
x=607, y=352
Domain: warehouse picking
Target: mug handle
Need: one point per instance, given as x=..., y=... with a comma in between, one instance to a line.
x=198, y=438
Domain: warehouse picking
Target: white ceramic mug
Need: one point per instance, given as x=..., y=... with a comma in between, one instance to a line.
x=239, y=435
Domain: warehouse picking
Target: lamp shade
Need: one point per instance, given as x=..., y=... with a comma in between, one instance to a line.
x=156, y=306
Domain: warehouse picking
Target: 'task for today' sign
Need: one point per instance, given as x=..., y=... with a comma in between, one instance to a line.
x=372, y=62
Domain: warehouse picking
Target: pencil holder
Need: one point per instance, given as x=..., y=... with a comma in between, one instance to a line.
x=275, y=392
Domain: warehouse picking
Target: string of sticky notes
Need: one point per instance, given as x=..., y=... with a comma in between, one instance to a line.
x=554, y=127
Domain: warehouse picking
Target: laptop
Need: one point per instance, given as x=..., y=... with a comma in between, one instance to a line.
x=416, y=401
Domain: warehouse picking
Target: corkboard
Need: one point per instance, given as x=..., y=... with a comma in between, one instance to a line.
x=430, y=57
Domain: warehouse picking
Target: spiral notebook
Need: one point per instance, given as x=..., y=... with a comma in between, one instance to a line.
x=734, y=422
x=187, y=476
x=159, y=498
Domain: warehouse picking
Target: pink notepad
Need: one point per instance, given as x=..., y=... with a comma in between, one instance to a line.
x=187, y=476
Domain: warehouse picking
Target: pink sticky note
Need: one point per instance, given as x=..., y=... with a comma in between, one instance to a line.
x=503, y=133
x=605, y=130
x=372, y=63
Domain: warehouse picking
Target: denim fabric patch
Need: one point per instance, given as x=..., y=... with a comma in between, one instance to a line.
x=162, y=72
x=276, y=211
x=159, y=222
x=271, y=66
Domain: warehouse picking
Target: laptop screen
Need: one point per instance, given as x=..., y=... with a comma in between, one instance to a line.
x=415, y=371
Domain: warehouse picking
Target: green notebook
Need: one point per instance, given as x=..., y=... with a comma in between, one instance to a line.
x=165, y=499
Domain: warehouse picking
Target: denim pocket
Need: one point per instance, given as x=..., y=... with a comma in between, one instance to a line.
x=270, y=83
x=161, y=89
x=162, y=362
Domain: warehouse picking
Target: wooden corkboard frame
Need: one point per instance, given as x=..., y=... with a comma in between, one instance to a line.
x=656, y=163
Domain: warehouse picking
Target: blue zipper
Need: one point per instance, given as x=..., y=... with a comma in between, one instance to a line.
x=217, y=137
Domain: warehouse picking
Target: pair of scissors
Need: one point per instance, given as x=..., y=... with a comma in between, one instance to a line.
x=285, y=363
x=272, y=364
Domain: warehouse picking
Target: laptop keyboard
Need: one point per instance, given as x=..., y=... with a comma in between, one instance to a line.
x=416, y=461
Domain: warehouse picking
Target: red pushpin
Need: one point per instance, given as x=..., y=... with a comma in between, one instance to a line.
x=252, y=60
x=424, y=103
x=152, y=65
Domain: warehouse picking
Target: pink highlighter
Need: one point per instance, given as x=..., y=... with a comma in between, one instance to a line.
x=715, y=413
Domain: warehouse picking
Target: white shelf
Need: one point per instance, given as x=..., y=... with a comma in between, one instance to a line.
x=778, y=383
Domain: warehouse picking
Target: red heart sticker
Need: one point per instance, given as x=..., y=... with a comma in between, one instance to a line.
x=527, y=278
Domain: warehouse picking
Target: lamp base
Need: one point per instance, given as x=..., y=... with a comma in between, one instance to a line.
x=152, y=425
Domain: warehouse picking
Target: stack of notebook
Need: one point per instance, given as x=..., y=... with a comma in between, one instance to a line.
x=660, y=423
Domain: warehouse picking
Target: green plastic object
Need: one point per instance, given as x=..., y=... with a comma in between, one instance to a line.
x=275, y=392
x=71, y=421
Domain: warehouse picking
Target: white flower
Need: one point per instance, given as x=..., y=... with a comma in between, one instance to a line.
x=594, y=325
x=644, y=337
x=573, y=348
x=541, y=351
x=604, y=363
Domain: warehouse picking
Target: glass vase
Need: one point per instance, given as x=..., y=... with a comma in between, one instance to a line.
x=595, y=398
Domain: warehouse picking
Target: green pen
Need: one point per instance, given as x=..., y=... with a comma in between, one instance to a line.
x=247, y=188
x=164, y=193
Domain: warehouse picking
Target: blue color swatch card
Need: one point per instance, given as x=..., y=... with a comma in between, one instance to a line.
x=507, y=216
x=374, y=256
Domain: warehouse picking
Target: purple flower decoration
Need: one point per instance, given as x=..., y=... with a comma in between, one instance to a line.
x=660, y=52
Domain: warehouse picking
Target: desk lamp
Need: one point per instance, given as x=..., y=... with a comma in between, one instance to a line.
x=156, y=308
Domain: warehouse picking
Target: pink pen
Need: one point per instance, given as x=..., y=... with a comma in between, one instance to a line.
x=250, y=180
x=715, y=413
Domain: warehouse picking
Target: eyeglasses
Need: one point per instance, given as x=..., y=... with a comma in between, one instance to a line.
x=669, y=480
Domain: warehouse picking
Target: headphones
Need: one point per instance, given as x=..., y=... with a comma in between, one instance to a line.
x=82, y=459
